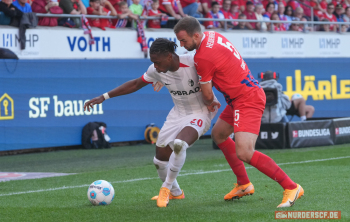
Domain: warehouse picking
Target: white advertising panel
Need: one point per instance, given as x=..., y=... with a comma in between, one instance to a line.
x=66, y=43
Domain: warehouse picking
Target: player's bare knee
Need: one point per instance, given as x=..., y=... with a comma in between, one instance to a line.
x=218, y=137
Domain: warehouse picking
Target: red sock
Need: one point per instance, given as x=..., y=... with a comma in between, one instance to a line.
x=267, y=166
x=229, y=149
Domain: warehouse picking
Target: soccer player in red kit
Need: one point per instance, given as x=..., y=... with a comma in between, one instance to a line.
x=219, y=63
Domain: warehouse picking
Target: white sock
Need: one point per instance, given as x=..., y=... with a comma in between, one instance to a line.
x=162, y=168
x=303, y=118
x=176, y=161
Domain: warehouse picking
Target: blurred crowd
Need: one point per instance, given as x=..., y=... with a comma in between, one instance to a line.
x=265, y=11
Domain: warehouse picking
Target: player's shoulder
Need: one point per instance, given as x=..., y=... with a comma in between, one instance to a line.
x=151, y=70
x=187, y=60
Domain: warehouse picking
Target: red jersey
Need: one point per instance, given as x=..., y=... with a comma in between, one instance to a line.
x=153, y=23
x=185, y=3
x=100, y=23
x=252, y=16
x=168, y=2
x=331, y=18
x=217, y=60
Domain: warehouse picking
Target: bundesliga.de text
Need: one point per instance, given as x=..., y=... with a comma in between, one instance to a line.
x=307, y=215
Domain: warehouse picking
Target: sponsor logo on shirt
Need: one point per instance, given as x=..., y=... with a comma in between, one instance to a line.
x=185, y=93
x=211, y=39
x=190, y=82
x=311, y=133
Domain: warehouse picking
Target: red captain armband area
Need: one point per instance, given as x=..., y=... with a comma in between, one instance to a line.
x=143, y=79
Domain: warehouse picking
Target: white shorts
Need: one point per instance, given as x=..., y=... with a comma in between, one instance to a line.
x=172, y=128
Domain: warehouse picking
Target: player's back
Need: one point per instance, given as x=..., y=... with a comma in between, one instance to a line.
x=218, y=60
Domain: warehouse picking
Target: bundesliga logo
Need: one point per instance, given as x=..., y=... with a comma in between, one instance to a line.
x=311, y=133
x=342, y=130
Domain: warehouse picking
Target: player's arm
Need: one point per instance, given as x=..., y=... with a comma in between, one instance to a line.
x=208, y=97
x=126, y=88
x=205, y=70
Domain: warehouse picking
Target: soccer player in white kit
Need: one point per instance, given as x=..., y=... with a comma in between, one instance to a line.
x=187, y=120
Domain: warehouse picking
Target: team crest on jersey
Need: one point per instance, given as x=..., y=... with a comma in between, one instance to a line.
x=190, y=82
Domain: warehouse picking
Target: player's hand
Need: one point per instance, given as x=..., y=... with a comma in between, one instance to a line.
x=157, y=86
x=215, y=105
x=91, y=103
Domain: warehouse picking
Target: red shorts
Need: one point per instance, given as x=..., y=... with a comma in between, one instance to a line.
x=245, y=116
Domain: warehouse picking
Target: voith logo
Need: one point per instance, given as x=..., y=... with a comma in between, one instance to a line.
x=6, y=107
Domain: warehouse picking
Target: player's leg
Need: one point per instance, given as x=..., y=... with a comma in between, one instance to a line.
x=250, y=113
x=161, y=162
x=310, y=110
x=220, y=134
x=187, y=136
x=300, y=105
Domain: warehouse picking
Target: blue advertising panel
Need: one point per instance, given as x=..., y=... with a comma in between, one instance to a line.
x=41, y=101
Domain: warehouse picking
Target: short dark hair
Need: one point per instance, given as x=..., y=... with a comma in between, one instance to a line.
x=249, y=3
x=188, y=24
x=162, y=46
x=214, y=3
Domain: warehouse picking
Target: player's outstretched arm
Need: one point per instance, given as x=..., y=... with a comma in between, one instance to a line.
x=126, y=88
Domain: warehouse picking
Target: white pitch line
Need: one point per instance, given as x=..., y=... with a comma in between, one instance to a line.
x=152, y=178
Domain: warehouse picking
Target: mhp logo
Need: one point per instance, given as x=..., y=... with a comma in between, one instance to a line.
x=329, y=43
x=249, y=42
x=82, y=44
x=12, y=40
x=288, y=43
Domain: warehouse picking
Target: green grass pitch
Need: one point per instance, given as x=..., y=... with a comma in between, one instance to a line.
x=205, y=179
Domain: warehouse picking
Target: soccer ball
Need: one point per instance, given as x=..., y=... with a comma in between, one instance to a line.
x=100, y=192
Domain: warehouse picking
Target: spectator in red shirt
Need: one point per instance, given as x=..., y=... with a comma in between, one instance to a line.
x=154, y=12
x=318, y=11
x=277, y=26
x=190, y=7
x=330, y=17
x=306, y=9
x=233, y=14
x=214, y=13
x=250, y=15
x=226, y=8
x=97, y=9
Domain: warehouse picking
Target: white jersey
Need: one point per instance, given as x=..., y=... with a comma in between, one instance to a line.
x=183, y=86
